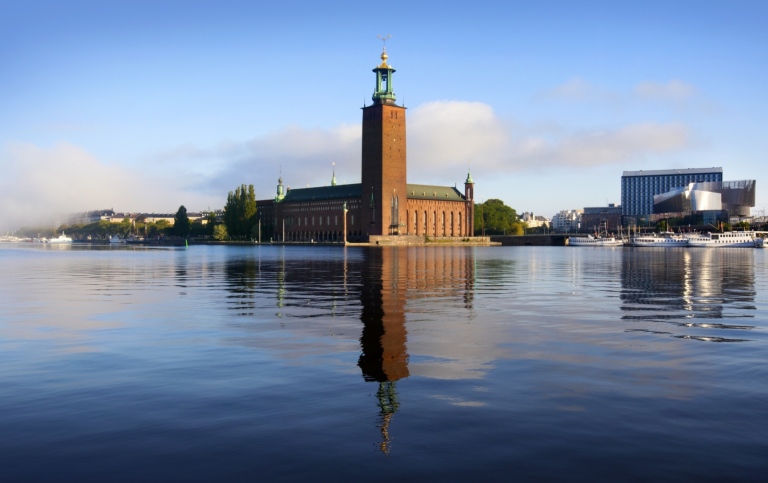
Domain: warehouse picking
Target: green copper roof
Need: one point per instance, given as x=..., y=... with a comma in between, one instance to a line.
x=430, y=192
x=346, y=191
x=339, y=191
x=469, y=178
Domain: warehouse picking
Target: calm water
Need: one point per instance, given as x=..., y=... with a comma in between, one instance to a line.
x=331, y=364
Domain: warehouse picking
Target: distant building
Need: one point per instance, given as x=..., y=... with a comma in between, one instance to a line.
x=567, y=221
x=601, y=218
x=534, y=221
x=639, y=187
x=88, y=217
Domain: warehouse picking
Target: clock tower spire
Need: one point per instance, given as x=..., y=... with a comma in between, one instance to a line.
x=384, y=184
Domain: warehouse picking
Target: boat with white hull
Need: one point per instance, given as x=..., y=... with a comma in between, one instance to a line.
x=594, y=241
x=665, y=239
x=61, y=239
x=724, y=240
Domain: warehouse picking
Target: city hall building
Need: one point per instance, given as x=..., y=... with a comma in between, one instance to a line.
x=383, y=203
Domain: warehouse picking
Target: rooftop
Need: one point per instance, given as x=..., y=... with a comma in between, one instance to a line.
x=662, y=172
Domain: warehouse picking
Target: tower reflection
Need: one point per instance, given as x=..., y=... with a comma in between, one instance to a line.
x=391, y=278
x=384, y=356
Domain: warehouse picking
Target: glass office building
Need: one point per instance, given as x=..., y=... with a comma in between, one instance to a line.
x=639, y=187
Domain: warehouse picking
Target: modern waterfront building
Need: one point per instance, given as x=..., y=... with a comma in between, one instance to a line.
x=717, y=201
x=383, y=203
x=639, y=187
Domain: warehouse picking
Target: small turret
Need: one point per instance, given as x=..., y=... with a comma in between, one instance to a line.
x=280, y=190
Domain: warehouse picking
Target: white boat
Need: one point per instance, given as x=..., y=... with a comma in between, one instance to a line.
x=723, y=240
x=594, y=241
x=665, y=239
x=116, y=239
x=759, y=242
x=60, y=239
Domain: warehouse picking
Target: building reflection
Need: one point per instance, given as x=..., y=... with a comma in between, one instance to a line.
x=390, y=278
x=380, y=286
x=689, y=288
x=384, y=355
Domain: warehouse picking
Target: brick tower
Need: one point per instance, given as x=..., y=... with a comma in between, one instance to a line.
x=383, y=189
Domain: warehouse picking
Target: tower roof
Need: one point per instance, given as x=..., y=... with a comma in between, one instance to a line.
x=384, y=94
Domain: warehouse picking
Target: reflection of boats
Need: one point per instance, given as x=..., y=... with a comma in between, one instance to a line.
x=723, y=240
x=594, y=241
x=116, y=239
x=60, y=239
x=664, y=239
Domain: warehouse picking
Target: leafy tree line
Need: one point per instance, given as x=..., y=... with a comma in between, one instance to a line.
x=240, y=214
x=493, y=217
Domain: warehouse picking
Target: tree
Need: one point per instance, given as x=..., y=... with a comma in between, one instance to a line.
x=220, y=232
x=240, y=212
x=124, y=227
x=496, y=218
x=160, y=227
x=181, y=222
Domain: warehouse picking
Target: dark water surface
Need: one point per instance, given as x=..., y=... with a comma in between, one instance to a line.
x=331, y=364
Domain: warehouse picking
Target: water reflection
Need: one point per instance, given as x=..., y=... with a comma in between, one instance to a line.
x=682, y=288
x=377, y=287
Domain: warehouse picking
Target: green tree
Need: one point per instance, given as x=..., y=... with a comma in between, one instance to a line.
x=220, y=232
x=181, y=222
x=240, y=212
x=124, y=227
x=158, y=228
x=496, y=218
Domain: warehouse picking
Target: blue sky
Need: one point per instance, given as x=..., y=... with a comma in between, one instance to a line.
x=147, y=105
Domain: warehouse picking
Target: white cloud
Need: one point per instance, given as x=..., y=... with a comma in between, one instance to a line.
x=575, y=89
x=43, y=185
x=303, y=156
x=444, y=136
x=674, y=90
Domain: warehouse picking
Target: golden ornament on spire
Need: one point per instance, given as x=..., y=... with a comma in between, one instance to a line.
x=384, y=55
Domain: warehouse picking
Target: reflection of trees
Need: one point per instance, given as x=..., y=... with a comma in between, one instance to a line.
x=688, y=288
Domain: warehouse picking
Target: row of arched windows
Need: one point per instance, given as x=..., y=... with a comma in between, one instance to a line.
x=436, y=223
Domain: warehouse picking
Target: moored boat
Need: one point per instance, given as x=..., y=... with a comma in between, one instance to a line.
x=594, y=241
x=724, y=240
x=665, y=239
x=61, y=239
